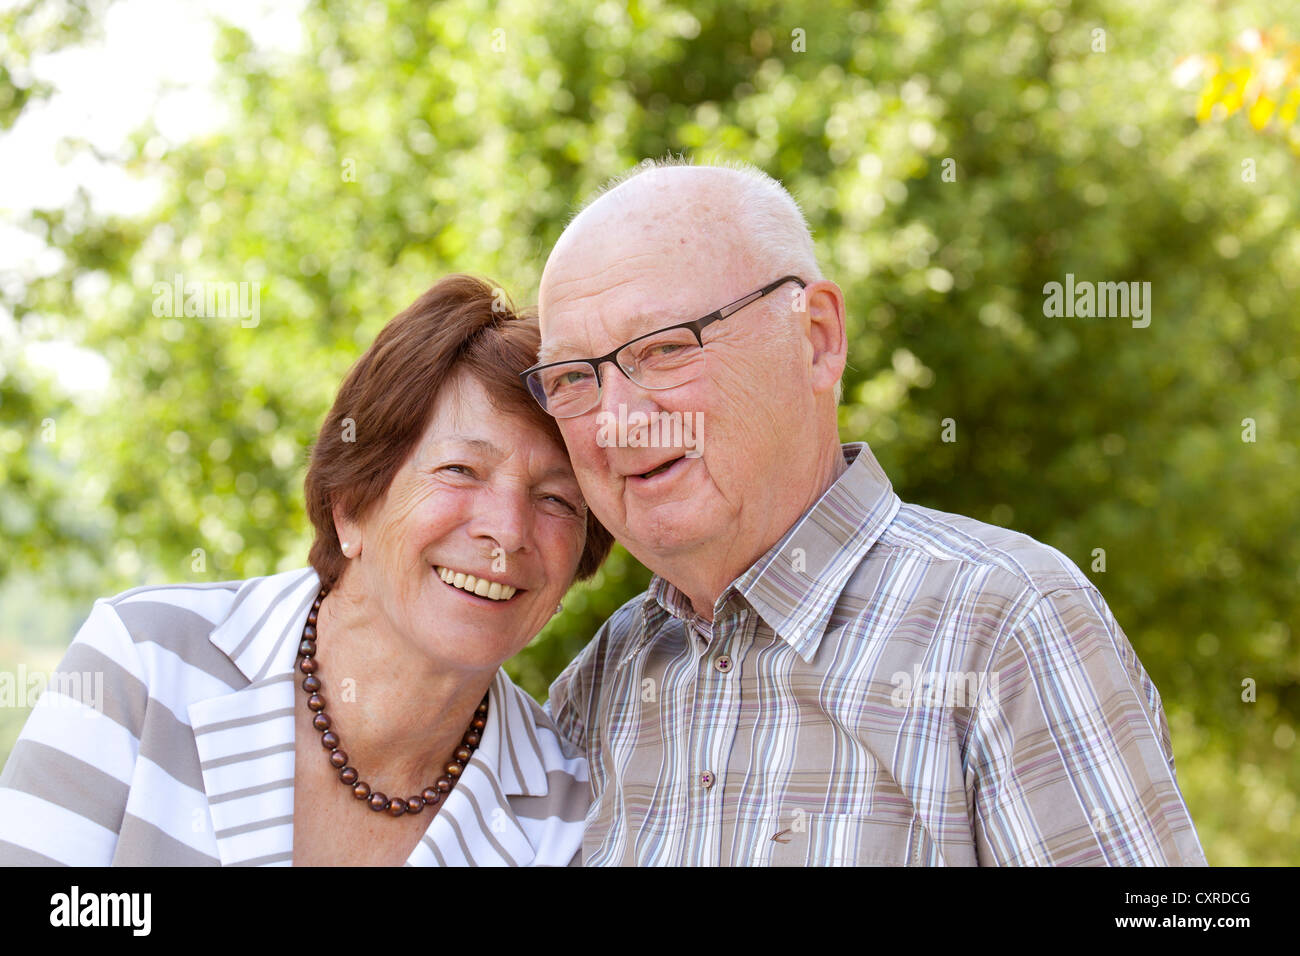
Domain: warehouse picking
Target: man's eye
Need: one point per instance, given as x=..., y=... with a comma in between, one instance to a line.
x=565, y=379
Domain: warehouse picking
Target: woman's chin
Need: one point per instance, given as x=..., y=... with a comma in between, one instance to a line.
x=490, y=631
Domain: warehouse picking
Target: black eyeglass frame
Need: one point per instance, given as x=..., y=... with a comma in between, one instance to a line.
x=697, y=326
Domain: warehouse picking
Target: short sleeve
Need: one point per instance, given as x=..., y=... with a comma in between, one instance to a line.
x=566, y=703
x=1070, y=761
x=64, y=788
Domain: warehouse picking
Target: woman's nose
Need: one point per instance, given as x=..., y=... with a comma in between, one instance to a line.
x=505, y=517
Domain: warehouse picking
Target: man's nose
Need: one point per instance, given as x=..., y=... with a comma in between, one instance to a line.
x=617, y=389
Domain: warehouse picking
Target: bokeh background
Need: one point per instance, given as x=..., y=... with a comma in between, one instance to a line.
x=952, y=157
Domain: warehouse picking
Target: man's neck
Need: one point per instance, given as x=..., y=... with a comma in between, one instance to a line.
x=702, y=574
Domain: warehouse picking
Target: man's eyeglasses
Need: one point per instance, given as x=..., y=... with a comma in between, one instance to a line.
x=657, y=360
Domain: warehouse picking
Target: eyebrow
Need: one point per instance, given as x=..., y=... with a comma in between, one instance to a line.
x=478, y=444
x=548, y=353
x=645, y=322
x=559, y=471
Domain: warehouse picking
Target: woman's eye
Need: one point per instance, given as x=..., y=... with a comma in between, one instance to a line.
x=562, y=503
x=459, y=469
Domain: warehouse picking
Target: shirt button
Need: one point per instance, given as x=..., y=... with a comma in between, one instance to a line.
x=706, y=779
x=722, y=664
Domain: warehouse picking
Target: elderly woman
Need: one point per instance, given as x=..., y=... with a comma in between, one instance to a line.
x=353, y=712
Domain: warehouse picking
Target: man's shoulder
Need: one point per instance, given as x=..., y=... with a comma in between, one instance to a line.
x=1011, y=558
x=621, y=632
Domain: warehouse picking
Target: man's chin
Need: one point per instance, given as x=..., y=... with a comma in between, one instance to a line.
x=667, y=532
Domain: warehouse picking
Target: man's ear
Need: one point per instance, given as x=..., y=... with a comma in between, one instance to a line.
x=826, y=334
x=349, y=532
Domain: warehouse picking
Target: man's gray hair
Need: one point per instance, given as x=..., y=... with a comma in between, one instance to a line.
x=769, y=215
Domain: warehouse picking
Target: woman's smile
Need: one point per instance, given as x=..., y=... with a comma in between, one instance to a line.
x=492, y=590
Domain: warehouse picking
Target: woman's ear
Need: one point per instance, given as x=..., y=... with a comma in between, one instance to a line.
x=349, y=533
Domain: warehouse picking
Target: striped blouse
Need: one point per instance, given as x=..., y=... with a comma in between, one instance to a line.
x=887, y=685
x=177, y=747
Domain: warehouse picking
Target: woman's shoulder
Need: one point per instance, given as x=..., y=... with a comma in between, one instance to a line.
x=190, y=608
x=154, y=607
x=165, y=631
x=544, y=779
x=526, y=719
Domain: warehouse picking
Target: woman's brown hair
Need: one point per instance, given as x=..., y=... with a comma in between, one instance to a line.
x=462, y=324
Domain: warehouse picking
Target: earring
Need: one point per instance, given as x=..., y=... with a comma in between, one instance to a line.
x=559, y=608
x=345, y=547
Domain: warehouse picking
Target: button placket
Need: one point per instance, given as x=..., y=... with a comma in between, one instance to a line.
x=714, y=729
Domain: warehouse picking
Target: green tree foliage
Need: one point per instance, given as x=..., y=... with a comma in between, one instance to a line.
x=953, y=158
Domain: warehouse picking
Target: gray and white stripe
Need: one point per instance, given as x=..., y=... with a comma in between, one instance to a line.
x=189, y=761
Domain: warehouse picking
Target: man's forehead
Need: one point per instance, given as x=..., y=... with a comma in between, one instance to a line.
x=615, y=314
x=650, y=223
x=656, y=250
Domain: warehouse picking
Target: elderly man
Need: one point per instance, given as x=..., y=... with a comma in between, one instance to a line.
x=818, y=672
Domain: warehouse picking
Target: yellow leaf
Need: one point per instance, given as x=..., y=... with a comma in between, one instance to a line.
x=1209, y=96
x=1286, y=115
x=1260, y=112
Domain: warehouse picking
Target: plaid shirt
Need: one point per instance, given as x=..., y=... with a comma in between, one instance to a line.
x=887, y=685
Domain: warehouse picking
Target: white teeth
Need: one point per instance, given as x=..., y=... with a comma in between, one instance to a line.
x=494, y=590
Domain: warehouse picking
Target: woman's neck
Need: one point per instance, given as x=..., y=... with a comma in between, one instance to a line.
x=398, y=714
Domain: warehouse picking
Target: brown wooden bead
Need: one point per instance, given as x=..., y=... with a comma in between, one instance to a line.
x=329, y=740
x=472, y=739
x=349, y=775
x=311, y=683
x=307, y=665
x=339, y=759
x=431, y=796
x=453, y=770
x=321, y=722
x=462, y=754
x=378, y=802
x=396, y=806
x=316, y=702
x=414, y=805
x=361, y=790
x=307, y=648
